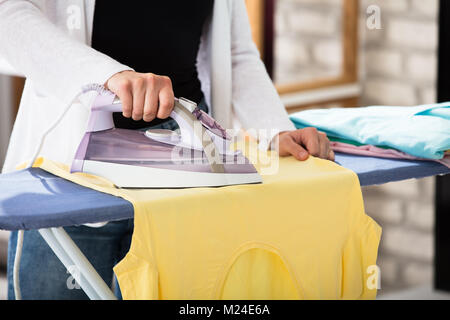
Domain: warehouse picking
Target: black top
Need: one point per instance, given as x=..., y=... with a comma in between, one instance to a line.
x=161, y=37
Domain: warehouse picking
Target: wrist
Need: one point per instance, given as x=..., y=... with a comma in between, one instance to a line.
x=116, y=75
x=275, y=142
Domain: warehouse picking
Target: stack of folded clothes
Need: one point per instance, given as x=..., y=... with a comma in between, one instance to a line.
x=415, y=133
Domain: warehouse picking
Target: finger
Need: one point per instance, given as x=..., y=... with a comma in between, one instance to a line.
x=309, y=138
x=296, y=150
x=126, y=97
x=324, y=145
x=331, y=155
x=151, y=105
x=138, y=99
x=166, y=100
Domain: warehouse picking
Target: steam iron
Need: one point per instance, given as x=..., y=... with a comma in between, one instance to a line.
x=196, y=155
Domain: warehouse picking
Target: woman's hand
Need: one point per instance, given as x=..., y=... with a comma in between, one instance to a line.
x=305, y=142
x=144, y=95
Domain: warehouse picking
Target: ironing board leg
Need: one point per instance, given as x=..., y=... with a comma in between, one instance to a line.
x=70, y=255
x=53, y=243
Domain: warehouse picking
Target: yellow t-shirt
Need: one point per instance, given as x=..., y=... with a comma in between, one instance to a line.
x=302, y=234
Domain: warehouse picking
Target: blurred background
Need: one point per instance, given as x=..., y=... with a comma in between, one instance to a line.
x=347, y=53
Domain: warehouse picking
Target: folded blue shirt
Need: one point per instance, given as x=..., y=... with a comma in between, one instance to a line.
x=422, y=131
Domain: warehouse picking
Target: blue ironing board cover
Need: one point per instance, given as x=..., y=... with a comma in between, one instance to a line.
x=35, y=199
x=374, y=171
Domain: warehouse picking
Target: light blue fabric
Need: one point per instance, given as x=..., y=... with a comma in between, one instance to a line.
x=422, y=131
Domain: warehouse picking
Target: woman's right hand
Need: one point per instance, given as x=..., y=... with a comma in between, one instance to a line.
x=143, y=95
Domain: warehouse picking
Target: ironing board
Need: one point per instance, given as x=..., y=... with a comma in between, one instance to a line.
x=63, y=203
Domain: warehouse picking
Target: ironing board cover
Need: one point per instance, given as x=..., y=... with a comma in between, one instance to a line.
x=64, y=203
x=302, y=234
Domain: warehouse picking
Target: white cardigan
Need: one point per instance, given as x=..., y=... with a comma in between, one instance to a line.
x=48, y=41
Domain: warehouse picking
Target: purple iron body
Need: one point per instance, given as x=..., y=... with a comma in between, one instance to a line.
x=196, y=156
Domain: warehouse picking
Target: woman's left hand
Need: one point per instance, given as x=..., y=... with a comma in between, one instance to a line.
x=304, y=142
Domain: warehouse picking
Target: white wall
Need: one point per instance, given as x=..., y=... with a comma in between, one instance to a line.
x=400, y=59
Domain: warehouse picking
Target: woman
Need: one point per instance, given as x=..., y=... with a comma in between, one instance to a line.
x=146, y=52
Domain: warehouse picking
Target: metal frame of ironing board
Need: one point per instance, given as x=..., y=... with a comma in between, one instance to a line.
x=71, y=256
x=91, y=282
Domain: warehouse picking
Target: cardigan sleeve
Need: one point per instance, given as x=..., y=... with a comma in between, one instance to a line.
x=255, y=100
x=57, y=64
